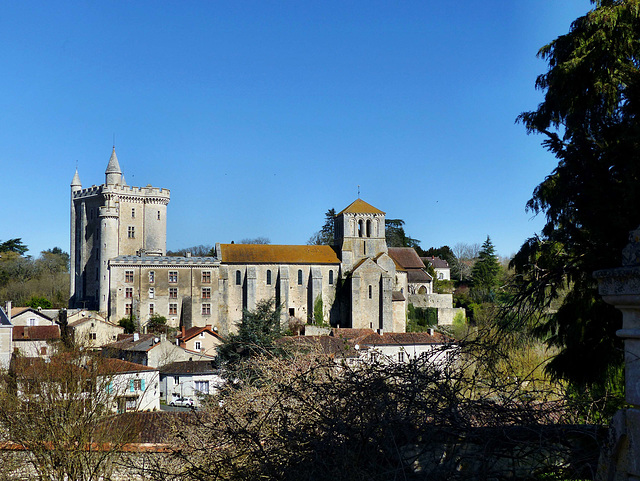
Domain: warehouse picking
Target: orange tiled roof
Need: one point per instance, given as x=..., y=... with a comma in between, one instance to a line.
x=35, y=333
x=276, y=254
x=359, y=206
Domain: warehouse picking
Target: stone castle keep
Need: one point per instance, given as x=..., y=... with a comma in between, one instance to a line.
x=119, y=267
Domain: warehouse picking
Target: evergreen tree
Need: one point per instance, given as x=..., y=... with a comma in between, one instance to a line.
x=486, y=271
x=589, y=118
x=256, y=335
x=325, y=235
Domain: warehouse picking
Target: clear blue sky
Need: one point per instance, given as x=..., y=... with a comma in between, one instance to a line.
x=259, y=116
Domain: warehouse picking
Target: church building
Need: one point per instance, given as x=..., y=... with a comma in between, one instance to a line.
x=119, y=267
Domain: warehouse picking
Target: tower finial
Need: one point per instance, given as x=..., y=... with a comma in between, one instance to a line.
x=358, y=191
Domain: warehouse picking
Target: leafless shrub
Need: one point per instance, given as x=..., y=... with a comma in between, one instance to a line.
x=455, y=414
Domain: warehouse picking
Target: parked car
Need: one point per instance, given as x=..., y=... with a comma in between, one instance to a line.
x=185, y=402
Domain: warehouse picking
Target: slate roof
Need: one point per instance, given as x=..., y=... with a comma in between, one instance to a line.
x=4, y=319
x=359, y=206
x=125, y=342
x=36, y=333
x=277, y=254
x=436, y=262
x=170, y=261
x=189, y=367
x=407, y=257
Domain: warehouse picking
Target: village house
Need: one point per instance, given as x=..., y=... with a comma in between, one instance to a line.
x=152, y=350
x=192, y=379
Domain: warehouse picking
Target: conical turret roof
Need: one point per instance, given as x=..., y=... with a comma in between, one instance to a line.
x=113, y=167
x=76, y=180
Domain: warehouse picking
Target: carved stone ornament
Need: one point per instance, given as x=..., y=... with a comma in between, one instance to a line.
x=631, y=253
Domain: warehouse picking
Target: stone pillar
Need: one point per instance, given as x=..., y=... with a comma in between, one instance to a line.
x=251, y=288
x=620, y=287
x=316, y=291
x=283, y=288
x=386, y=303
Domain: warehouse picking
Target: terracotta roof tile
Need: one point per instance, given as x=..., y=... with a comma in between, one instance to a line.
x=277, y=254
x=359, y=206
x=35, y=333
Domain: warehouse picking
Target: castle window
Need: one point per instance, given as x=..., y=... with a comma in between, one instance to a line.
x=268, y=277
x=206, y=309
x=173, y=277
x=173, y=293
x=299, y=277
x=330, y=277
x=128, y=292
x=151, y=309
x=173, y=309
x=127, y=309
x=238, y=278
x=360, y=228
x=206, y=293
x=131, y=232
x=152, y=292
x=133, y=212
x=128, y=276
x=206, y=277
x=152, y=277
x=369, y=228
x=370, y=292
x=158, y=215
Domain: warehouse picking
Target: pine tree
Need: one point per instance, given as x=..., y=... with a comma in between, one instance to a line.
x=486, y=271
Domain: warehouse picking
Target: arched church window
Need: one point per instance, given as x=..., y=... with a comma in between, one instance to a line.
x=360, y=228
x=238, y=278
x=369, y=228
x=268, y=277
x=330, y=277
x=299, y=277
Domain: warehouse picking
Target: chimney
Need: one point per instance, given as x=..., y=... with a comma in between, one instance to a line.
x=430, y=331
x=208, y=327
x=8, y=310
x=136, y=337
x=188, y=254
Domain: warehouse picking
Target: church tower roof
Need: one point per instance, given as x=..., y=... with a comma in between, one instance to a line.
x=359, y=206
x=113, y=172
x=75, y=182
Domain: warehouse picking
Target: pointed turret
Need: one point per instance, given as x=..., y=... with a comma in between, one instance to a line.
x=75, y=182
x=113, y=172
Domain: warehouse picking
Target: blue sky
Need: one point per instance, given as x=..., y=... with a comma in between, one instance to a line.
x=259, y=116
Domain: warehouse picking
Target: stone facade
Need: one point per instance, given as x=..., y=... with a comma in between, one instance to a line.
x=119, y=267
